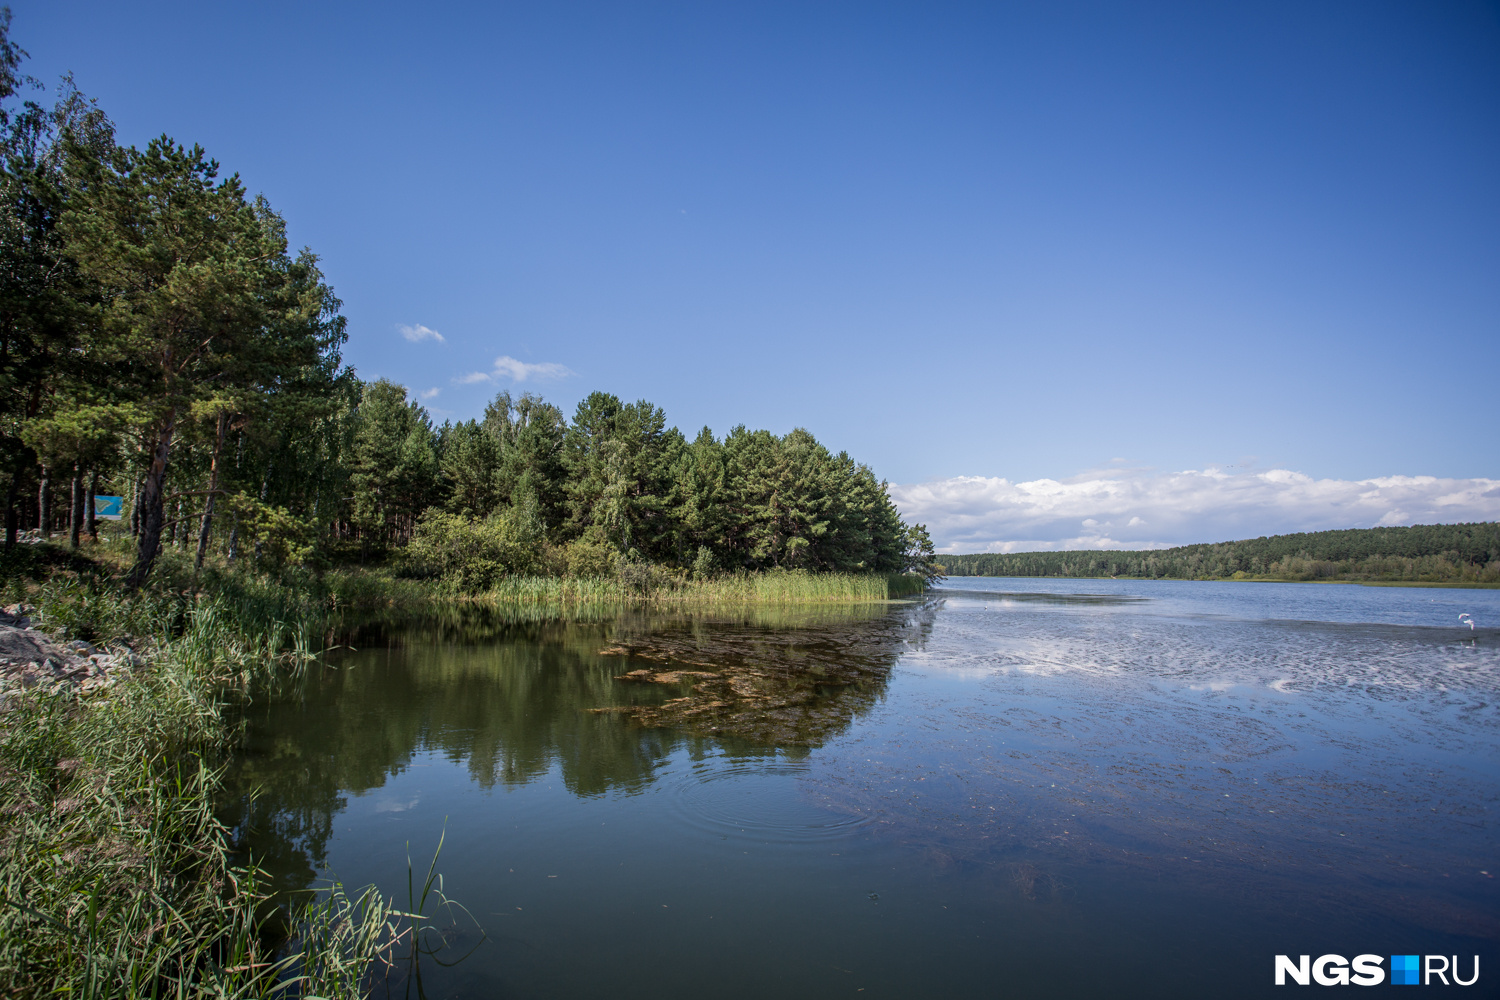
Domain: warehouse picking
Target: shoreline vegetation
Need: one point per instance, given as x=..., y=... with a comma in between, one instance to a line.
x=117, y=879
x=162, y=344
x=164, y=347
x=1435, y=555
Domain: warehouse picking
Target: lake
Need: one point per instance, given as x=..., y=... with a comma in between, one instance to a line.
x=1015, y=787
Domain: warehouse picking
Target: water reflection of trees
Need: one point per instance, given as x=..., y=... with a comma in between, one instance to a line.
x=793, y=678
x=604, y=702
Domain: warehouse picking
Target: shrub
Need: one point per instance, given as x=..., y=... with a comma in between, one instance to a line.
x=589, y=556
x=279, y=538
x=473, y=555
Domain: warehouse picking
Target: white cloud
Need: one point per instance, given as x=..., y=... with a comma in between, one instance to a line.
x=431, y=393
x=507, y=367
x=520, y=371
x=1144, y=509
x=417, y=334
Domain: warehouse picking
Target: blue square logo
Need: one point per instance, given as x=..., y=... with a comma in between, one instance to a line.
x=1404, y=970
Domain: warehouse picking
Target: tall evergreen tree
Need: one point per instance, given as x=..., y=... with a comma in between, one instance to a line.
x=395, y=467
x=530, y=433
x=471, y=469
x=198, y=296
x=47, y=378
x=619, y=460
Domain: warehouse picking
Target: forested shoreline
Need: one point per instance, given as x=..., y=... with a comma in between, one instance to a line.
x=1424, y=553
x=161, y=341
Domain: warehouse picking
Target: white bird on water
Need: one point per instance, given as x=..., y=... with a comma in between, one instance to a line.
x=1470, y=619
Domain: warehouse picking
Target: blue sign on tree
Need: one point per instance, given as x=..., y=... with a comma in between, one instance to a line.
x=109, y=508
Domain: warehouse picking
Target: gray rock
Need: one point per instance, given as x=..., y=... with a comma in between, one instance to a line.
x=26, y=644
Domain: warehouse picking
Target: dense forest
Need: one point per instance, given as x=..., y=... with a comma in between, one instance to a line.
x=1424, y=552
x=161, y=341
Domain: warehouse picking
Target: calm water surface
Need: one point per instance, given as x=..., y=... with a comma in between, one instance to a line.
x=1014, y=788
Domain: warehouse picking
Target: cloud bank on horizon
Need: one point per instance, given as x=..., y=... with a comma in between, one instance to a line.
x=1146, y=509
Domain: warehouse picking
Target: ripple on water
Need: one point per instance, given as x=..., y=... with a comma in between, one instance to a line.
x=729, y=797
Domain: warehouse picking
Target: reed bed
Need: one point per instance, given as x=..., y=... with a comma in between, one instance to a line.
x=775, y=587
x=257, y=603
x=116, y=879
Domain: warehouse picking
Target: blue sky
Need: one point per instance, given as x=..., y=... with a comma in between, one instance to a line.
x=1001, y=241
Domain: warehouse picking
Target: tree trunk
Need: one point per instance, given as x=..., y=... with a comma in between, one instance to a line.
x=213, y=484
x=91, y=522
x=75, y=509
x=265, y=489
x=43, y=508
x=135, y=508
x=234, y=530
x=10, y=510
x=151, y=502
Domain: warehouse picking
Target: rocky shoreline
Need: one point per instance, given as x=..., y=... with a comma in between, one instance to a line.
x=31, y=659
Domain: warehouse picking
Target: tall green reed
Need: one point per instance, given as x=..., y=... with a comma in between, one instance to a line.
x=116, y=879
x=772, y=587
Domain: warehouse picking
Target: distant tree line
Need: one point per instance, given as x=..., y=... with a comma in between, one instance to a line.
x=1424, y=552
x=160, y=340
